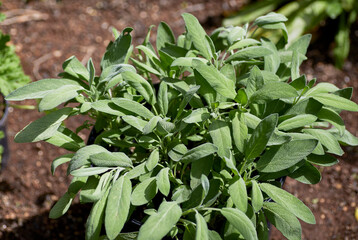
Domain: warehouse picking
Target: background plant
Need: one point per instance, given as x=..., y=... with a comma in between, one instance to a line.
x=200, y=155
x=11, y=73
x=305, y=16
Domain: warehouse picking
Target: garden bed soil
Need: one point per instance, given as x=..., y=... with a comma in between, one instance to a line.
x=47, y=32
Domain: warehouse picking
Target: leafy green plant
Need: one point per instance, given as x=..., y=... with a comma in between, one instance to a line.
x=11, y=73
x=304, y=16
x=199, y=155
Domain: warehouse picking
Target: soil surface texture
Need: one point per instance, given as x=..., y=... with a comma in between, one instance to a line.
x=46, y=32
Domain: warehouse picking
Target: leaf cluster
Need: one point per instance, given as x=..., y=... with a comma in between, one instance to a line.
x=200, y=154
x=305, y=16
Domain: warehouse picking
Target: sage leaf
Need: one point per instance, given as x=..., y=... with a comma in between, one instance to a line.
x=84, y=172
x=249, y=53
x=322, y=160
x=335, y=101
x=297, y=122
x=117, y=208
x=159, y=224
x=61, y=207
x=135, y=122
x=199, y=152
x=257, y=199
x=58, y=96
x=220, y=134
x=117, y=51
x=75, y=68
x=43, y=128
x=40, y=89
x=108, y=106
x=238, y=194
x=163, y=182
x=240, y=222
x=260, y=136
x=141, y=85
x=270, y=18
x=151, y=125
x=202, y=231
x=283, y=220
x=162, y=96
x=153, y=160
x=59, y=161
x=82, y=157
x=164, y=35
x=307, y=174
x=198, y=115
x=239, y=131
x=111, y=159
x=327, y=139
x=284, y=156
x=290, y=202
x=95, y=218
x=196, y=34
x=273, y=90
x=331, y=116
x=217, y=80
x=144, y=192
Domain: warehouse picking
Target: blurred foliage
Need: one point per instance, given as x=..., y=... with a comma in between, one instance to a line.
x=11, y=74
x=305, y=16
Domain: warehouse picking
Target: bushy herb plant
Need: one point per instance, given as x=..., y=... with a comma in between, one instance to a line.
x=199, y=155
x=305, y=16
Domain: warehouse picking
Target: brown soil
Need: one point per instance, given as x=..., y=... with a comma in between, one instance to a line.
x=59, y=29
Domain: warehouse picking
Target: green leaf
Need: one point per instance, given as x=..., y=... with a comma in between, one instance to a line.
x=134, y=107
x=322, y=160
x=297, y=122
x=199, y=152
x=75, y=68
x=117, y=51
x=39, y=89
x=239, y=131
x=270, y=18
x=137, y=171
x=306, y=106
x=59, y=161
x=187, y=61
x=257, y=199
x=260, y=137
x=196, y=34
x=238, y=194
x=159, y=224
x=216, y=79
x=198, y=115
x=66, y=139
x=177, y=152
x=220, y=134
x=144, y=192
x=61, y=207
x=163, y=101
x=284, y=156
x=111, y=159
x=84, y=172
x=249, y=53
x=321, y=88
x=151, y=125
x=107, y=106
x=77, y=183
x=202, y=231
x=327, y=139
x=243, y=43
x=283, y=220
x=114, y=72
x=273, y=90
x=290, y=202
x=153, y=160
x=141, y=85
x=198, y=168
x=82, y=157
x=117, y=208
x=329, y=115
x=254, y=82
x=164, y=35
x=163, y=182
x=241, y=222
x=135, y=122
x=95, y=218
x=43, y=128
x=332, y=100
x=307, y=174
x=347, y=138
